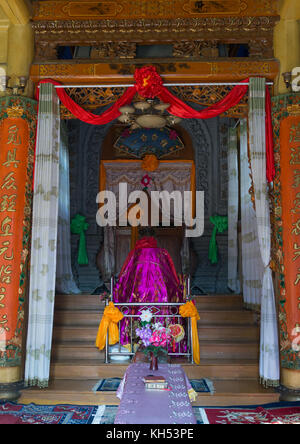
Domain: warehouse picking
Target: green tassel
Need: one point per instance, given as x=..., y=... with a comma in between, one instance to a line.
x=79, y=226
x=220, y=225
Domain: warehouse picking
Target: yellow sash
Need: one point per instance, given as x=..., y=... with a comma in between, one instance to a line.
x=189, y=310
x=109, y=321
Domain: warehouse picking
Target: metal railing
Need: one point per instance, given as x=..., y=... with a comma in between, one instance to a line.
x=160, y=311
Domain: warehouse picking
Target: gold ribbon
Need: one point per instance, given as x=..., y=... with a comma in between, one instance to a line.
x=109, y=322
x=189, y=310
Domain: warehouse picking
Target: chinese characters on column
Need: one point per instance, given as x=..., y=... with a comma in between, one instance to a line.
x=14, y=139
x=290, y=210
x=8, y=197
x=18, y=120
x=294, y=141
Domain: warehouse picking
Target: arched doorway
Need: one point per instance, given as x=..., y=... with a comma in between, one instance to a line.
x=123, y=160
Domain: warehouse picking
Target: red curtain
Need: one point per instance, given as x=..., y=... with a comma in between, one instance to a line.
x=178, y=108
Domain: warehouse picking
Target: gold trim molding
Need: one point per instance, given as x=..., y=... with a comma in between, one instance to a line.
x=15, y=111
x=294, y=110
x=179, y=72
x=162, y=9
x=10, y=375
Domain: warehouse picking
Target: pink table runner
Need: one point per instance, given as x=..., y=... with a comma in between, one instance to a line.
x=141, y=406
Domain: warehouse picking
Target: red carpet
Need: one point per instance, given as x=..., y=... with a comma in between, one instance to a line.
x=280, y=413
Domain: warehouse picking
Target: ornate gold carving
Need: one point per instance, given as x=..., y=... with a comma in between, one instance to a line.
x=221, y=7
x=241, y=68
x=181, y=72
x=15, y=111
x=126, y=50
x=156, y=26
x=294, y=110
x=196, y=49
x=94, y=9
x=93, y=98
x=46, y=51
x=128, y=9
x=261, y=47
x=256, y=31
x=65, y=70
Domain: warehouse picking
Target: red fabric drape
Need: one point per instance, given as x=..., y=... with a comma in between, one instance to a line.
x=106, y=117
x=181, y=109
x=177, y=108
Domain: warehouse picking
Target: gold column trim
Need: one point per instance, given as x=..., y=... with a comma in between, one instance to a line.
x=294, y=110
x=15, y=111
x=290, y=378
x=9, y=375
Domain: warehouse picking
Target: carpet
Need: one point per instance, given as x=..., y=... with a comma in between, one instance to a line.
x=112, y=384
x=12, y=413
x=277, y=413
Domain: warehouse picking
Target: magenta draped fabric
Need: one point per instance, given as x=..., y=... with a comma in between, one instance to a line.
x=148, y=275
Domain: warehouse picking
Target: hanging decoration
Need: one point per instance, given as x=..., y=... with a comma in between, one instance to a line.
x=109, y=325
x=146, y=180
x=79, y=226
x=150, y=163
x=149, y=84
x=220, y=225
x=189, y=310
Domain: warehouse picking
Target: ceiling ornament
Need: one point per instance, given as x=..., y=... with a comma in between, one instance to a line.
x=150, y=113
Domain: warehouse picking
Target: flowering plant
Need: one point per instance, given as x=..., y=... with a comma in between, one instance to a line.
x=154, y=336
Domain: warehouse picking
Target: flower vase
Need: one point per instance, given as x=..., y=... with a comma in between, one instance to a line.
x=153, y=362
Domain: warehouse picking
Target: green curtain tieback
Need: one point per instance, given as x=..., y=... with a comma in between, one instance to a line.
x=220, y=225
x=79, y=226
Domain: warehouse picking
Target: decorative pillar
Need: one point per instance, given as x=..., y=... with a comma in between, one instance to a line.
x=286, y=120
x=17, y=141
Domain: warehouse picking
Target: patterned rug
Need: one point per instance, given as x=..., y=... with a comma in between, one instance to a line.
x=112, y=384
x=12, y=413
x=279, y=413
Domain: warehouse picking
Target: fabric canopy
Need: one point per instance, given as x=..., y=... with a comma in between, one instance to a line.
x=149, y=84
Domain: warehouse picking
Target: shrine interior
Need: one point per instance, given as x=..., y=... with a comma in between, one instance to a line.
x=183, y=98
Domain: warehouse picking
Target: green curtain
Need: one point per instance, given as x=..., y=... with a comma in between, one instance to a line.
x=220, y=225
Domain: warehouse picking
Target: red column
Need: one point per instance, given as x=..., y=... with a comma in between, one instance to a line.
x=17, y=141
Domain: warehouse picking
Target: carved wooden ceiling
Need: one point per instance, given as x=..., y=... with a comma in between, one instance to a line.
x=192, y=26
x=114, y=29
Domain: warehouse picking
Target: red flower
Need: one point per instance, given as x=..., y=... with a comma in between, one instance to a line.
x=148, y=82
x=146, y=180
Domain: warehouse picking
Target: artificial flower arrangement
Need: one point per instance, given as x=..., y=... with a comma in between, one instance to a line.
x=155, y=337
